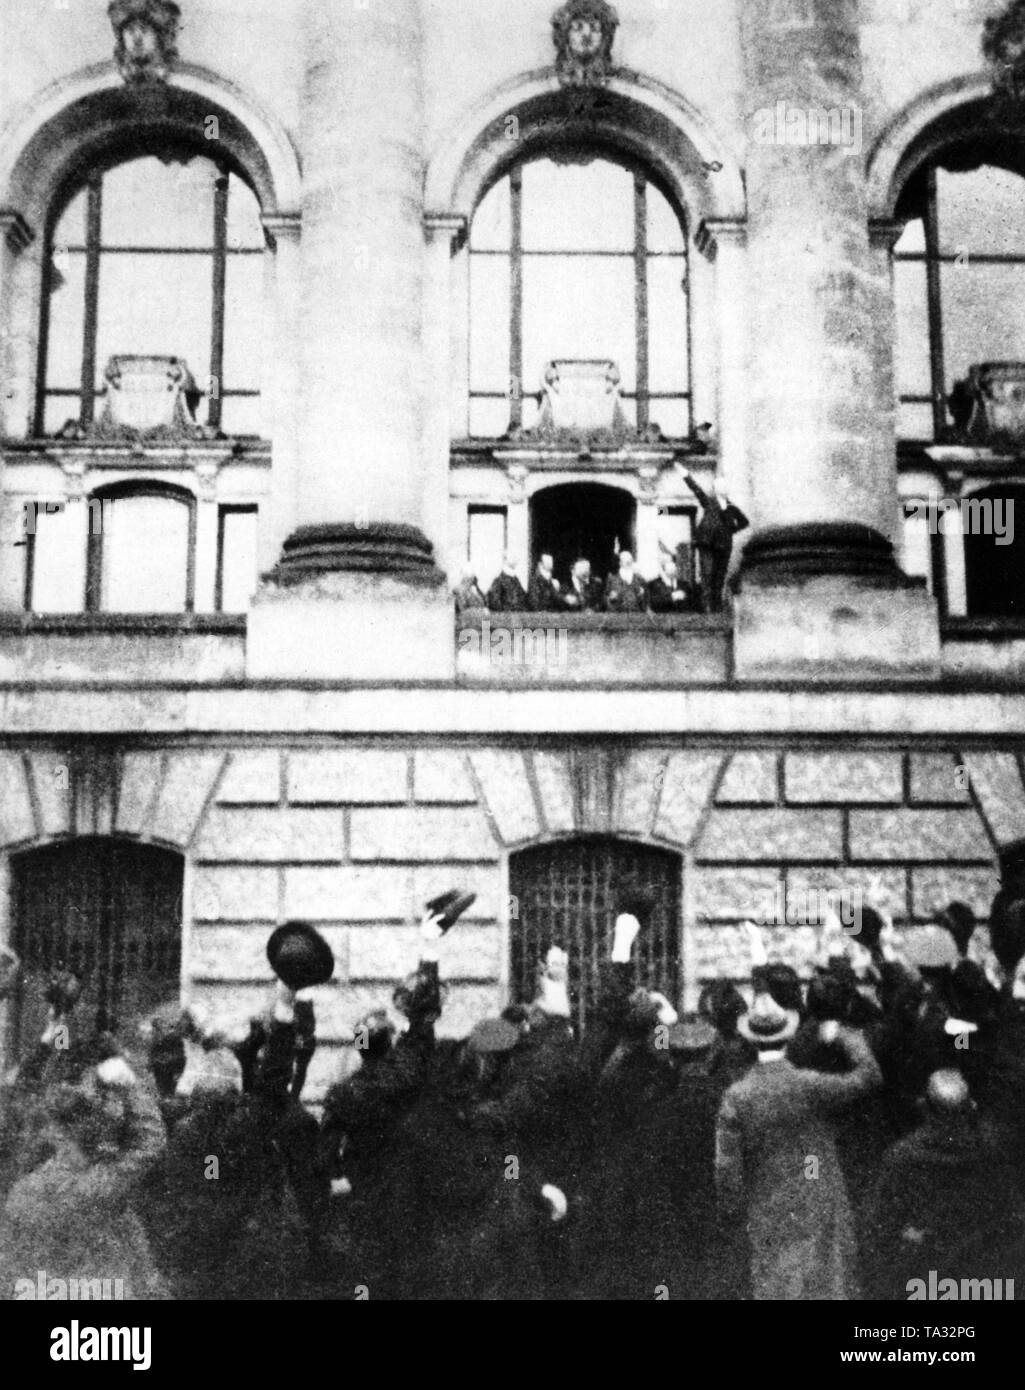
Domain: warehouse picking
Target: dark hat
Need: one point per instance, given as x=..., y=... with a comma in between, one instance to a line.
x=867, y=927
x=451, y=905
x=722, y=1003
x=1012, y=866
x=493, y=1035
x=1007, y=930
x=299, y=956
x=781, y=983
x=767, y=1023
x=958, y=919
x=972, y=998
x=832, y=996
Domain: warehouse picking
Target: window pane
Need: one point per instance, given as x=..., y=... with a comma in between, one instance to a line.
x=667, y=325
x=67, y=319
x=58, y=411
x=58, y=561
x=911, y=239
x=238, y=560
x=491, y=221
x=243, y=323
x=675, y=527
x=672, y=417
x=245, y=229
x=145, y=556
x=914, y=421
x=580, y=306
x=585, y=207
x=242, y=415
x=664, y=230
x=149, y=203
x=983, y=315
x=489, y=323
x=981, y=211
x=156, y=305
x=486, y=544
x=911, y=358
x=489, y=418
x=70, y=229
x=916, y=551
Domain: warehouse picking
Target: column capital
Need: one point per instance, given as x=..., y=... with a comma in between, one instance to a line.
x=884, y=233
x=715, y=230
x=15, y=230
x=285, y=226
x=440, y=226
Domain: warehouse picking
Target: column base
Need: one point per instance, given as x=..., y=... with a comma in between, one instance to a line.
x=348, y=603
x=828, y=603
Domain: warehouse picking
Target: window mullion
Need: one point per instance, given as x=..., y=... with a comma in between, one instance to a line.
x=220, y=268
x=516, y=298
x=934, y=293
x=94, y=208
x=641, y=297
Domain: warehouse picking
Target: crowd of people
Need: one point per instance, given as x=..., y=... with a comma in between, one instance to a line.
x=836, y=1137
x=624, y=590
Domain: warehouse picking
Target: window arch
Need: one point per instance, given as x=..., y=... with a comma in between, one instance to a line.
x=578, y=252
x=959, y=276
x=155, y=249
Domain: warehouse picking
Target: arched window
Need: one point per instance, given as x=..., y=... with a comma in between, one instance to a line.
x=155, y=254
x=568, y=893
x=959, y=278
x=141, y=555
x=578, y=256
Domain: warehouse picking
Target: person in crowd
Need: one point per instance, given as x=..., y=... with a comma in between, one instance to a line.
x=713, y=539
x=772, y=1124
x=667, y=593
x=945, y=1196
x=626, y=591
x=73, y=1214
x=545, y=592
x=507, y=594
x=467, y=592
x=730, y=1055
x=583, y=594
x=362, y=1113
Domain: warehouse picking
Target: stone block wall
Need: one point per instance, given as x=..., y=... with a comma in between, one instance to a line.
x=356, y=837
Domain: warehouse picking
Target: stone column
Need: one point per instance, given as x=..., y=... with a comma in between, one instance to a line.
x=820, y=436
x=356, y=592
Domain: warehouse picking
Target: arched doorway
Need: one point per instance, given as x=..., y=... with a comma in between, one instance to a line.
x=576, y=521
x=109, y=910
x=994, y=548
x=567, y=893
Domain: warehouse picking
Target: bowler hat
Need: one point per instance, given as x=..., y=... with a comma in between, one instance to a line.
x=451, y=905
x=781, y=982
x=300, y=956
x=767, y=1023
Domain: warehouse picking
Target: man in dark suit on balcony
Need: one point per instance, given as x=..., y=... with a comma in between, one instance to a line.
x=545, y=589
x=583, y=593
x=507, y=594
x=713, y=539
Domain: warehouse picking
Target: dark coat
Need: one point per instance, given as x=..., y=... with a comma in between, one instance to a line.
x=661, y=600
x=718, y=524
x=771, y=1124
x=507, y=595
x=584, y=598
x=945, y=1202
x=622, y=596
x=545, y=596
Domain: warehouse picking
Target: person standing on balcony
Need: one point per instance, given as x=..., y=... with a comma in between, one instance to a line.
x=583, y=594
x=713, y=539
x=626, y=592
x=507, y=594
x=545, y=589
x=667, y=593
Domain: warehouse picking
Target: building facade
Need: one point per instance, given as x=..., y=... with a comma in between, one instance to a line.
x=307, y=308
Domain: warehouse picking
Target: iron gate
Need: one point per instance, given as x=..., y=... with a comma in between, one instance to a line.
x=567, y=894
x=109, y=910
